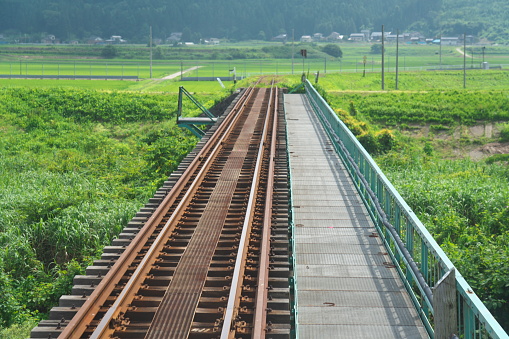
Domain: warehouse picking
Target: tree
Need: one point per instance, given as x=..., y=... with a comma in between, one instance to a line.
x=109, y=52
x=158, y=53
x=333, y=50
x=376, y=49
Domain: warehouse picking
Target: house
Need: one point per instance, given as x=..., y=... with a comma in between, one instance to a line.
x=451, y=41
x=393, y=37
x=366, y=33
x=306, y=38
x=212, y=41
x=414, y=37
x=377, y=36
x=50, y=39
x=317, y=37
x=280, y=37
x=174, y=37
x=95, y=40
x=334, y=37
x=415, y=40
x=115, y=39
x=357, y=37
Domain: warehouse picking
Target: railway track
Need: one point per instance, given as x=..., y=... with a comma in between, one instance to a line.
x=208, y=257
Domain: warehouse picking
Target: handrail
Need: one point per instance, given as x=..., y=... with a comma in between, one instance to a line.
x=418, y=258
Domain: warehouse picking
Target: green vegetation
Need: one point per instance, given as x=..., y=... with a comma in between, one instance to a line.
x=483, y=81
x=441, y=108
x=79, y=157
x=265, y=58
x=232, y=20
x=260, y=19
x=75, y=166
x=333, y=50
x=465, y=205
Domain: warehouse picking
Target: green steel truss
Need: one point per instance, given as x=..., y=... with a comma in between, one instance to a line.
x=193, y=123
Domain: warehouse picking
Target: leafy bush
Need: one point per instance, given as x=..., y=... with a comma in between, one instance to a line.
x=440, y=108
x=109, y=52
x=376, y=49
x=386, y=140
x=504, y=132
x=471, y=220
x=333, y=50
x=369, y=142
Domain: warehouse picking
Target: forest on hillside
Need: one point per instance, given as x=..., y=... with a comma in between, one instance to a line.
x=242, y=20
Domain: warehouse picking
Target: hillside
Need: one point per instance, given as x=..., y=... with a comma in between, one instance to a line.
x=239, y=20
x=485, y=18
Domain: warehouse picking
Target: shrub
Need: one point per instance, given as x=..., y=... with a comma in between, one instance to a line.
x=386, y=140
x=109, y=52
x=369, y=142
x=333, y=50
x=504, y=132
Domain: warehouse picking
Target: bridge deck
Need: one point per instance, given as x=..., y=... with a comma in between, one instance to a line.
x=346, y=286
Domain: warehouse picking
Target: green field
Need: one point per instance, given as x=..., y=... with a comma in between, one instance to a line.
x=247, y=60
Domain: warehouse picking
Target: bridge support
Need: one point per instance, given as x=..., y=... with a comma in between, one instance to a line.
x=445, y=306
x=193, y=123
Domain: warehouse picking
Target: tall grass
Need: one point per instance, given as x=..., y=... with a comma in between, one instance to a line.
x=465, y=205
x=75, y=166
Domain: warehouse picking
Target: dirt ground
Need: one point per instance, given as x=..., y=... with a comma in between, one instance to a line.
x=483, y=133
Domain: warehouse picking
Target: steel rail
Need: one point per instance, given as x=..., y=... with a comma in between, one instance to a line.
x=88, y=311
x=260, y=315
x=231, y=310
x=121, y=303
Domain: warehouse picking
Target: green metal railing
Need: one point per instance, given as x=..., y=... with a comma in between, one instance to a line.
x=420, y=261
x=193, y=124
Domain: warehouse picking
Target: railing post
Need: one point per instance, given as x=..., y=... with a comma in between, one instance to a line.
x=444, y=306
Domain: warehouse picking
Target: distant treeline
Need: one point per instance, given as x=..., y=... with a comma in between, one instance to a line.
x=242, y=20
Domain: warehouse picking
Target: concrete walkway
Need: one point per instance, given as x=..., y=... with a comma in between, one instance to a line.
x=347, y=286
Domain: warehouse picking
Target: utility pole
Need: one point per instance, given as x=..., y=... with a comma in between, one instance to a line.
x=293, y=40
x=383, y=59
x=397, y=57
x=464, y=60
x=440, y=50
x=150, y=44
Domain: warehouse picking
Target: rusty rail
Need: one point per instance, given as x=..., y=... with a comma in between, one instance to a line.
x=230, y=323
x=214, y=205
x=92, y=306
x=260, y=316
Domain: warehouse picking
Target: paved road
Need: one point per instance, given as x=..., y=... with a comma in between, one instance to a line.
x=174, y=75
